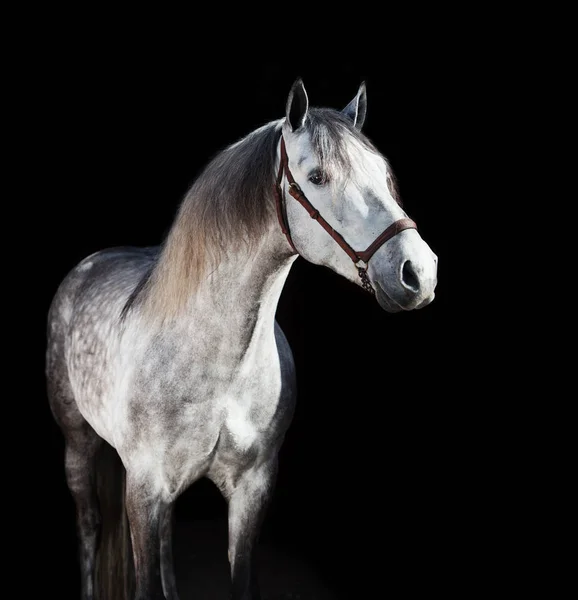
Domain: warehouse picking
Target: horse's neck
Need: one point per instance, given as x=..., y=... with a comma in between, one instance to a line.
x=239, y=299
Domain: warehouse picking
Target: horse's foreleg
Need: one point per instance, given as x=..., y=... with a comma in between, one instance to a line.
x=167, y=572
x=247, y=505
x=145, y=511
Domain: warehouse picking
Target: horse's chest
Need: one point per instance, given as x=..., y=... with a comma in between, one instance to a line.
x=251, y=416
x=244, y=424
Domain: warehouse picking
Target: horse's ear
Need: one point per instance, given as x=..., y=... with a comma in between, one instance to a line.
x=357, y=108
x=297, y=105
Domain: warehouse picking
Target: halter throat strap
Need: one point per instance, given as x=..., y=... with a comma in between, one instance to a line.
x=297, y=193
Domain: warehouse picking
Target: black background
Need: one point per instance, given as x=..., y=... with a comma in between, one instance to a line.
x=378, y=475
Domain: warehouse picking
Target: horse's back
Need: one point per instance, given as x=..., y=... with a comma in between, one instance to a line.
x=104, y=280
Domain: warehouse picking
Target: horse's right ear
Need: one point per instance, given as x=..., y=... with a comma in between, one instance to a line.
x=357, y=108
x=297, y=106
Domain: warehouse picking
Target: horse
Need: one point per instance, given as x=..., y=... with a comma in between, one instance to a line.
x=172, y=356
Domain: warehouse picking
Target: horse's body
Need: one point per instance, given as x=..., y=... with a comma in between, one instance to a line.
x=173, y=355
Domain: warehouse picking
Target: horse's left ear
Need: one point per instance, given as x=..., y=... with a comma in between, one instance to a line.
x=357, y=108
x=297, y=106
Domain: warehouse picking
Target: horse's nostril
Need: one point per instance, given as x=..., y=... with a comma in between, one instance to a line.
x=409, y=279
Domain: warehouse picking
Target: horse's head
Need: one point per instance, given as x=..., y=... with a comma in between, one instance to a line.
x=337, y=169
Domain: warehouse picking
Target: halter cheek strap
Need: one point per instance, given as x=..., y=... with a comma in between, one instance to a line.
x=354, y=255
x=281, y=214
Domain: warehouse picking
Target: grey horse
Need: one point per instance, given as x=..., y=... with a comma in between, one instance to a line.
x=172, y=355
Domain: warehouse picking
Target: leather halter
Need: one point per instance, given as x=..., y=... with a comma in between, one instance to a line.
x=354, y=255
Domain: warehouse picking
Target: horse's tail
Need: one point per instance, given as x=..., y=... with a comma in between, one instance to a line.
x=114, y=566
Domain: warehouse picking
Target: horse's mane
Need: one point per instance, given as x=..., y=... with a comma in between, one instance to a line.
x=231, y=204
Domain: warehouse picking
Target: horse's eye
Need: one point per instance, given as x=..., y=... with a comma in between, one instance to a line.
x=317, y=177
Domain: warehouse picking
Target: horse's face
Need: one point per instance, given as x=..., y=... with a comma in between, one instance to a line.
x=352, y=187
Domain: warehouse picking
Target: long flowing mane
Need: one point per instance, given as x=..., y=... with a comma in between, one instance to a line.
x=231, y=204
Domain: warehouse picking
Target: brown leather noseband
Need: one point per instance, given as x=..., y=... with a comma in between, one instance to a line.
x=354, y=255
